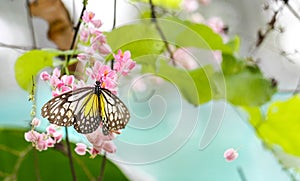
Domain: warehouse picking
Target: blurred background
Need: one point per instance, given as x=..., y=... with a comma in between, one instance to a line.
x=169, y=157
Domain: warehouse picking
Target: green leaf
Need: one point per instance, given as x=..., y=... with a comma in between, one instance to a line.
x=173, y=4
x=29, y=64
x=255, y=116
x=188, y=34
x=141, y=39
x=245, y=84
x=282, y=125
x=18, y=160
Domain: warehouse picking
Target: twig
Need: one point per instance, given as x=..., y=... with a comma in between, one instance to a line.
x=162, y=35
x=36, y=165
x=293, y=11
x=76, y=31
x=70, y=155
x=113, y=27
x=31, y=24
x=102, y=167
x=241, y=173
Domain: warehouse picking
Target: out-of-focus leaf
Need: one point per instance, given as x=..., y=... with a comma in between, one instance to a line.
x=173, y=4
x=141, y=39
x=18, y=160
x=255, y=116
x=245, y=84
x=188, y=34
x=282, y=124
x=29, y=64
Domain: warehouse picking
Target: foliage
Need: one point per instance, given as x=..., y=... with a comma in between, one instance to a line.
x=22, y=158
x=280, y=126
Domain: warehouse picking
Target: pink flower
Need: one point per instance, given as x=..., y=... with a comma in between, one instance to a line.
x=50, y=142
x=57, y=136
x=230, y=154
x=45, y=76
x=94, y=152
x=80, y=149
x=41, y=142
x=84, y=35
x=190, y=5
x=83, y=57
x=97, y=23
x=35, y=122
x=31, y=136
x=216, y=24
x=98, y=139
x=109, y=147
x=68, y=80
x=185, y=59
x=51, y=129
x=124, y=63
x=56, y=72
x=104, y=49
x=88, y=16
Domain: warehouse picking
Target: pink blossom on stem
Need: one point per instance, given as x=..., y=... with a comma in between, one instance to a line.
x=68, y=80
x=35, y=122
x=88, y=16
x=104, y=49
x=216, y=24
x=80, y=149
x=97, y=23
x=31, y=136
x=230, y=154
x=83, y=57
x=57, y=136
x=84, y=35
x=124, y=63
x=50, y=142
x=94, y=152
x=185, y=59
x=56, y=72
x=44, y=76
x=109, y=147
x=51, y=129
x=41, y=143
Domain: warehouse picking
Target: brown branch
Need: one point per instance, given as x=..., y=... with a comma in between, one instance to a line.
x=31, y=23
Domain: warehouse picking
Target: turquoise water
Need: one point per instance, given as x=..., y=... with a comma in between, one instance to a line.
x=164, y=138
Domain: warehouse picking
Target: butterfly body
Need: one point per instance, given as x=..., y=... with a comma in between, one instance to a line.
x=85, y=108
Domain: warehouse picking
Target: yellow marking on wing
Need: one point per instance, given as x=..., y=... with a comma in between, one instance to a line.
x=102, y=105
x=91, y=106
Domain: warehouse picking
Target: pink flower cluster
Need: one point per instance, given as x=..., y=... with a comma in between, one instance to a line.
x=91, y=35
x=59, y=84
x=107, y=76
x=100, y=143
x=42, y=141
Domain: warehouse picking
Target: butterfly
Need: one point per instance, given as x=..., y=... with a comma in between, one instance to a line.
x=85, y=108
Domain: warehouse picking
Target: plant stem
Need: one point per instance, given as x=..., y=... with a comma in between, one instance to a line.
x=113, y=27
x=102, y=167
x=70, y=155
x=161, y=34
x=76, y=31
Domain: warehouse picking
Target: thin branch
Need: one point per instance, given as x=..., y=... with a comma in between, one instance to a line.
x=293, y=11
x=162, y=35
x=31, y=24
x=101, y=176
x=70, y=155
x=76, y=31
x=113, y=27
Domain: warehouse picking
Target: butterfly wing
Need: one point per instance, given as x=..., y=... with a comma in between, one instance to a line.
x=114, y=112
x=78, y=107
